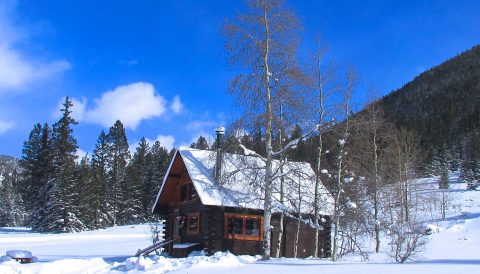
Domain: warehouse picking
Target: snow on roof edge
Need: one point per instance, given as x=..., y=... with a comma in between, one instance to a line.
x=164, y=180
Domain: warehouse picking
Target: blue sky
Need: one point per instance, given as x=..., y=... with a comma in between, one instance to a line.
x=160, y=66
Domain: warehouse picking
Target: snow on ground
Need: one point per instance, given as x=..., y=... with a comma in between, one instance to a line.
x=112, y=244
x=454, y=247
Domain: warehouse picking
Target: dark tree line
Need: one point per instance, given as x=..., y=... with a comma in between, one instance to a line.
x=11, y=208
x=57, y=192
x=441, y=104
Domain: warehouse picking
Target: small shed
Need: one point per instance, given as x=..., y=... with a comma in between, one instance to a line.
x=218, y=212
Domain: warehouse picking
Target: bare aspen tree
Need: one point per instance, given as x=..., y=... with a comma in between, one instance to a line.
x=347, y=94
x=320, y=78
x=282, y=182
x=262, y=43
x=297, y=233
x=368, y=157
x=405, y=154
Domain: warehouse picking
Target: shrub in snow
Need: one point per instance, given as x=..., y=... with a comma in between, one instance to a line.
x=157, y=230
x=407, y=240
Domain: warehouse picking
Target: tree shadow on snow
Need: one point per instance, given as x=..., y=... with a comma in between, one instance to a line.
x=464, y=216
x=449, y=261
x=116, y=259
x=6, y=230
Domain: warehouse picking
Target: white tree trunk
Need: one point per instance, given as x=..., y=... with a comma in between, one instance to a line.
x=319, y=158
x=267, y=215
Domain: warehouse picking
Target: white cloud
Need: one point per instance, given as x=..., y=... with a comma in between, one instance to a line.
x=176, y=106
x=5, y=126
x=129, y=103
x=194, y=138
x=201, y=125
x=78, y=108
x=17, y=69
x=205, y=127
x=166, y=141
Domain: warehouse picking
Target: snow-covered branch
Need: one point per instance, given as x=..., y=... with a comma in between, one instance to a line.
x=293, y=143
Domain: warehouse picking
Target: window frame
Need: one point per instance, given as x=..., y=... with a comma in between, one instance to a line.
x=189, y=217
x=244, y=218
x=188, y=189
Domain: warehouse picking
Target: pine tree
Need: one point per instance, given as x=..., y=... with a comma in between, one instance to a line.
x=469, y=179
x=11, y=209
x=258, y=141
x=88, y=197
x=31, y=184
x=299, y=152
x=61, y=212
x=444, y=184
x=470, y=164
x=102, y=208
x=37, y=166
x=117, y=183
x=159, y=164
x=456, y=156
x=201, y=143
x=139, y=177
x=434, y=168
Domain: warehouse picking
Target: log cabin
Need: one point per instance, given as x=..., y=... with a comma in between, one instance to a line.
x=213, y=201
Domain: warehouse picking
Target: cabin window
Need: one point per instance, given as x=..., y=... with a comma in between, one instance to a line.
x=193, y=223
x=187, y=192
x=243, y=227
x=193, y=192
x=252, y=227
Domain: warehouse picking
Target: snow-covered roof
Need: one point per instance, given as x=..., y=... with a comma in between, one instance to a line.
x=241, y=183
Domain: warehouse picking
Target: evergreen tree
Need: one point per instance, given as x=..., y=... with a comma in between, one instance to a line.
x=299, y=152
x=31, y=184
x=444, y=184
x=102, y=208
x=11, y=209
x=258, y=141
x=139, y=177
x=469, y=179
x=88, y=197
x=117, y=184
x=61, y=212
x=456, y=156
x=160, y=161
x=37, y=170
x=470, y=165
x=435, y=166
x=201, y=143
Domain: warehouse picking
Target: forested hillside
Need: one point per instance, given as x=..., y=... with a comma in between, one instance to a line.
x=441, y=104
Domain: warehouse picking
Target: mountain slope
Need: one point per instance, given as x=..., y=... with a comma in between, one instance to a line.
x=442, y=104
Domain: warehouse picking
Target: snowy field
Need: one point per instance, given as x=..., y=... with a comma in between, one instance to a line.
x=454, y=248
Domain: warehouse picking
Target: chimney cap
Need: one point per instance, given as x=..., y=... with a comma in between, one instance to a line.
x=220, y=130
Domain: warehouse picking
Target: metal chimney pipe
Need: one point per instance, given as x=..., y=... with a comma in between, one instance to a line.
x=218, y=163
